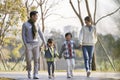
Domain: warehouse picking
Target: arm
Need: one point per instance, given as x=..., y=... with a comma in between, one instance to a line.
x=61, y=51
x=76, y=46
x=81, y=36
x=55, y=50
x=56, y=53
x=41, y=36
x=95, y=33
x=24, y=34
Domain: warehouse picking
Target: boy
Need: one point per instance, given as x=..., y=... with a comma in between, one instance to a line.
x=50, y=55
x=69, y=54
x=88, y=38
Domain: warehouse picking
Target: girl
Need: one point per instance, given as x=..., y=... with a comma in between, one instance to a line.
x=50, y=55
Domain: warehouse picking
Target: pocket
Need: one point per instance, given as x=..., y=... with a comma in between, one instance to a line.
x=28, y=46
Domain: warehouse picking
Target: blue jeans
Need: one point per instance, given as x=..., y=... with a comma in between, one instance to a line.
x=88, y=54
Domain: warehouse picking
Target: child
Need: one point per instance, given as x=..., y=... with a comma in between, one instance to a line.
x=50, y=54
x=88, y=38
x=69, y=54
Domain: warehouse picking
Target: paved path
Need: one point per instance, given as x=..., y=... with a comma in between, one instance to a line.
x=62, y=76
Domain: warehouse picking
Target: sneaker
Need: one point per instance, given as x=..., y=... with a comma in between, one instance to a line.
x=68, y=76
x=50, y=77
x=88, y=74
x=71, y=73
x=29, y=74
x=35, y=76
x=53, y=75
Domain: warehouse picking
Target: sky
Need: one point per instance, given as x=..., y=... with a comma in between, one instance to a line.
x=64, y=9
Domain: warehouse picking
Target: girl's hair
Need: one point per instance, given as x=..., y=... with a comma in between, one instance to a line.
x=68, y=34
x=50, y=40
x=87, y=18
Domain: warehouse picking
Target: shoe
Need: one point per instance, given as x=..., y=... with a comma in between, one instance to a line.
x=50, y=77
x=71, y=75
x=68, y=76
x=88, y=74
x=35, y=76
x=53, y=75
x=29, y=74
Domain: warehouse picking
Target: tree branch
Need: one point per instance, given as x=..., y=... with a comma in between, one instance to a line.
x=50, y=7
x=45, y=5
x=80, y=17
x=2, y=25
x=75, y=11
x=108, y=15
x=95, y=12
x=27, y=8
x=87, y=7
x=31, y=3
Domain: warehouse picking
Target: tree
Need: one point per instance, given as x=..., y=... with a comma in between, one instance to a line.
x=8, y=10
x=47, y=8
x=89, y=12
x=11, y=13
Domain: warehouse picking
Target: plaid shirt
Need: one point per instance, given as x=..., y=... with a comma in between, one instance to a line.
x=66, y=51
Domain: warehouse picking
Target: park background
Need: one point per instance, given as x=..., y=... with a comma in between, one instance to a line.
x=57, y=17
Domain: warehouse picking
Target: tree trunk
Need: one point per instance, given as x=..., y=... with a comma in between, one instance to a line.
x=94, y=62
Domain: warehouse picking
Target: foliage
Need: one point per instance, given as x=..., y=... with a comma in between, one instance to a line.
x=112, y=46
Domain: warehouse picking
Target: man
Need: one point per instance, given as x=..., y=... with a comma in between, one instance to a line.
x=30, y=35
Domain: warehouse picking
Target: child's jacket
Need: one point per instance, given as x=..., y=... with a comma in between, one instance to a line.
x=68, y=49
x=50, y=54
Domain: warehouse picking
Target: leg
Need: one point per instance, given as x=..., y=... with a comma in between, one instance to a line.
x=90, y=50
x=49, y=64
x=53, y=67
x=68, y=68
x=28, y=60
x=90, y=53
x=85, y=55
x=36, y=56
x=73, y=66
x=49, y=70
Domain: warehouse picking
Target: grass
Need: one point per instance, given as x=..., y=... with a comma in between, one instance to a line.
x=2, y=78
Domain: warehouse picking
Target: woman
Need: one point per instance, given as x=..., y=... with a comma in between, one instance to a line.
x=88, y=39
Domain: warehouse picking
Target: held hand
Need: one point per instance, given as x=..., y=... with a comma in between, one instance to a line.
x=80, y=46
x=60, y=57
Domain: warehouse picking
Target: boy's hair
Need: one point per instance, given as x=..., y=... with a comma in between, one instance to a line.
x=87, y=18
x=68, y=34
x=33, y=13
x=50, y=40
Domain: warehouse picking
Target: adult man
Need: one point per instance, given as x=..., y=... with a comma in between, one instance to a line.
x=30, y=35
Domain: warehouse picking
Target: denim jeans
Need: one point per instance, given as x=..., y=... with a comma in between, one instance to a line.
x=50, y=64
x=88, y=54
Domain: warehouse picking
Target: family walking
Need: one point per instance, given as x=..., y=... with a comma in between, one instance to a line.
x=31, y=33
